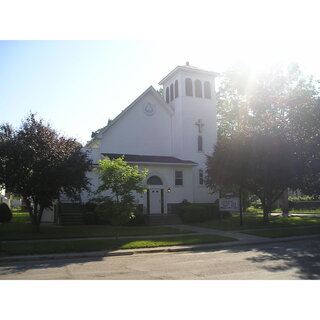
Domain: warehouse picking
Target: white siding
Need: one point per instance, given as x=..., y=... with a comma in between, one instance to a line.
x=139, y=133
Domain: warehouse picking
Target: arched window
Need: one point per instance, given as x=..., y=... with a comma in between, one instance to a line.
x=189, y=89
x=176, y=89
x=207, y=90
x=200, y=144
x=201, y=179
x=167, y=95
x=198, y=88
x=171, y=92
x=155, y=181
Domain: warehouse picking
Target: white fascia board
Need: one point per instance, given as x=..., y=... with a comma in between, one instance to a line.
x=164, y=164
x=188, y=69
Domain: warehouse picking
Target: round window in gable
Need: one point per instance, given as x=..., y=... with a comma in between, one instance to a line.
x=149, y=109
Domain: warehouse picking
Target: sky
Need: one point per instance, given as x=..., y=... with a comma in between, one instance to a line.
x=77, y=86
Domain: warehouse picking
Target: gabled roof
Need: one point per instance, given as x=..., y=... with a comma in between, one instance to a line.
x=187, y=68
x=150, y=90
x=135, y=158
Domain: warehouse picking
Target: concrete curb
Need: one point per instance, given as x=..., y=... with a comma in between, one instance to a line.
x=100, y=238
x=101, y=254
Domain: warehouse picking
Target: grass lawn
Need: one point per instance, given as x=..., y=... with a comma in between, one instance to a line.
x=289, y=232
x=9, y=248
x=20, y=217
x=20, y=228
x=255, y=222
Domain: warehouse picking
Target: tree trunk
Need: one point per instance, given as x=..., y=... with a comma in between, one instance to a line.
x=37, y=227
x=35, y=217
x=240, y=205
x=266, y=210
x=265, y=215
x=285, y=203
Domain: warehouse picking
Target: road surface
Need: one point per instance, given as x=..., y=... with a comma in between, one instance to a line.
x=287, y=260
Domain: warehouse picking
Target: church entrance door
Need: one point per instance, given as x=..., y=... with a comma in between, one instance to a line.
x=155, y=200
x=155, y=195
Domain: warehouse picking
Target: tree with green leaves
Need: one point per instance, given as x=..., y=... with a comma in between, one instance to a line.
x=306, y=134
x=260, y=120
x=160, y=91
x=121, y=179
x=226, y=173
x=268, y=102
x=264, y=165
x=38, y=164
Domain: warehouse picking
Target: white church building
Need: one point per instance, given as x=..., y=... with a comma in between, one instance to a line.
x=170, y=136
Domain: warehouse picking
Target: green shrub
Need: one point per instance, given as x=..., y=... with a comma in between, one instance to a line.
x=5, y=213
x=199, y=212
x=104, y=211
x=304, y=205
x=90, y=206
x=91, y=218
x=137, y=220
x=304, y=198
x=110, y=212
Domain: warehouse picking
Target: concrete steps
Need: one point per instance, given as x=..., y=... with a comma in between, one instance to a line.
x=70, y=214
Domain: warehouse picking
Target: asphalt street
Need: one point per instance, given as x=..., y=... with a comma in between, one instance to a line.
x=283, y=260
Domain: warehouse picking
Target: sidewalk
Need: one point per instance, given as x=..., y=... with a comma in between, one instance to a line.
x=242, y=240
x=232, y=234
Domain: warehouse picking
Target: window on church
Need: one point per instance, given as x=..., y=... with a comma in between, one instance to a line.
x=200, y=144
x=189, y=89
x=201, y=180
x=167, y=95
x=176, y=89
x=198, y=88
x=171, y=92
x=178, y=178
x=207, y=90
x=155, y=181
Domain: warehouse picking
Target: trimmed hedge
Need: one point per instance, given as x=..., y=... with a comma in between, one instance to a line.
x=200, y=212
x=91, y=218
x=300, y=205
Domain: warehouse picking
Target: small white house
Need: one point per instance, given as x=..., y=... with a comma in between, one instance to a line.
x=170, y=136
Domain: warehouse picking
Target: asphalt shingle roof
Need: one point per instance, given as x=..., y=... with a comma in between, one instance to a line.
x=148, y=158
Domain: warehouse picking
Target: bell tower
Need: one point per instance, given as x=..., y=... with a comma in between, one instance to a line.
x=190, y=92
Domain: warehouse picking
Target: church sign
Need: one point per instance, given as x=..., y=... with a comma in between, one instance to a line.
x=229, y=204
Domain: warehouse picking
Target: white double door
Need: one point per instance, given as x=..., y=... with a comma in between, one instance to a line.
x=155, y=200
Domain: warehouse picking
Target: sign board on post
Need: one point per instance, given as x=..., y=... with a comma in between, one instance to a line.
x=229, y=204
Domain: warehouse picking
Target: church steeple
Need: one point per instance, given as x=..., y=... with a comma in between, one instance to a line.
x=188, y=81
x=190, y=92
